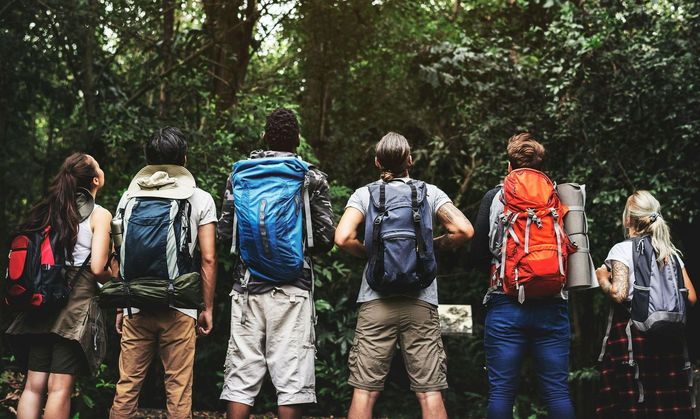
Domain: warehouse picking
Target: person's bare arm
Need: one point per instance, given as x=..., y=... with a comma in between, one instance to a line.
x=692, y=296
x=458, y=227
x=206, y=236
x=616, y=285
x=346, y=232
x=101, y=219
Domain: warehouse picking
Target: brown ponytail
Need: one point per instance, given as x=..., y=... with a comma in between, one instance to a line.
x=58, y=208
x=393, y=155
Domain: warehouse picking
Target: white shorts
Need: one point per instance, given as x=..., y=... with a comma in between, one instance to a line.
x=277, y=334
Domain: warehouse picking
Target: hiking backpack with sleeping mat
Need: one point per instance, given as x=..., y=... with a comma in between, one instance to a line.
x=534, y=246
x=156, y=266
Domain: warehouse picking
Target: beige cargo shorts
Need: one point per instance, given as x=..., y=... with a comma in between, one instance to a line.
x=277, y=335
x=415, y=325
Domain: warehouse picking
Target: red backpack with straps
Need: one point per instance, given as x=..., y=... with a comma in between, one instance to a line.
x=35, y=272
x=534, y=247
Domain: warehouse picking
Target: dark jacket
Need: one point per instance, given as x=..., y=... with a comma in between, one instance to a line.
x=480, y=252
x=322, y=221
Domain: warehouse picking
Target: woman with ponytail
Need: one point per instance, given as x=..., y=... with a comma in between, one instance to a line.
x=649, y=376
x=56, y=347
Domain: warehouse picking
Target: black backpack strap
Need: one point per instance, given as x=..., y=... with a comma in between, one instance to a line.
x=378, y=220
x=75, y=279
x=382, y=197
x=642, y=258
x=417, y=218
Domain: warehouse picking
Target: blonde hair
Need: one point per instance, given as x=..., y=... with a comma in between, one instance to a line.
x=643, y=214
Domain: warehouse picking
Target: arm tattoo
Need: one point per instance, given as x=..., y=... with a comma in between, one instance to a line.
x=620, y=282
x=449, y=215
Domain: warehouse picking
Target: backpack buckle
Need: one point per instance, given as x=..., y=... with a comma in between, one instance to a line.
x=378, y=220
x=416, y=216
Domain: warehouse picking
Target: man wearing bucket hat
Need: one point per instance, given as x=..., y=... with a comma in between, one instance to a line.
x=170, y=331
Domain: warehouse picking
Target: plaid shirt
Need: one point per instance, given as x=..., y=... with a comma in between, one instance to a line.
x=662, y=373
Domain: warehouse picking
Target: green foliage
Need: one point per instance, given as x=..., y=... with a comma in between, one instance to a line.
x=612, y=89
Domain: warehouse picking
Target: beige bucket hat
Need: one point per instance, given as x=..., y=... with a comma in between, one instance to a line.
x=162, y=181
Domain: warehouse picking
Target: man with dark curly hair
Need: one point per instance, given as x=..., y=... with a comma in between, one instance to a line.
x=272, y=311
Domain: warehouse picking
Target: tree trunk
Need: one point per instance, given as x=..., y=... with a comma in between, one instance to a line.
x=166, y=53
x=323, y=114
x=86, y=53
x=230, y=25
x=47, y=157
x=88, y=81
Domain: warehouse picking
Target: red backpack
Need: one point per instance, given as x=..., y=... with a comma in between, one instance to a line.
x=35, y=273
x=534, y=247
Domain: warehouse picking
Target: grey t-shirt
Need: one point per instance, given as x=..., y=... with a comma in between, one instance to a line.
x=360, y=200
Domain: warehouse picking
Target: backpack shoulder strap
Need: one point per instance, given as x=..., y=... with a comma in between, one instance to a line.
x=378, y=219
x=417, y=218
x=185, y=212
x=84, y=266
x=640, y=256
x=679, y=271
x=307, y=216
x=234, y=233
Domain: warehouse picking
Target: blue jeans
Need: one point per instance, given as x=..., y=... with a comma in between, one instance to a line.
x=511, y=330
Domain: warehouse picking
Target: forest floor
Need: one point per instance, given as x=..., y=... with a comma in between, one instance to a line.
x=160, y=414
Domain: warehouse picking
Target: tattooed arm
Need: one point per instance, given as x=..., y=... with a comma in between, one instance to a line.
x=458, y=227
x=617, y=284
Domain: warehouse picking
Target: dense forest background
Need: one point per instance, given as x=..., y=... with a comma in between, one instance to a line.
x=611, y=87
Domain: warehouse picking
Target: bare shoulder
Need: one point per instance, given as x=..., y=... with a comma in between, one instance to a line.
x=101, y=214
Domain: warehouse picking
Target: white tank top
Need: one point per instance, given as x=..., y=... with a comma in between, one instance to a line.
x=83, y=244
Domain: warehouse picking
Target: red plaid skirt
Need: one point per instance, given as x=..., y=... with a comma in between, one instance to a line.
x=662, y=372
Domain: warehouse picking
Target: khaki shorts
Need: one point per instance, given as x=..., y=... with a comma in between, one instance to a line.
x=278, y=335
x=416, y=326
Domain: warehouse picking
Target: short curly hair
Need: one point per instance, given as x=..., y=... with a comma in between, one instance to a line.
x=282, y=130
x=525, y=151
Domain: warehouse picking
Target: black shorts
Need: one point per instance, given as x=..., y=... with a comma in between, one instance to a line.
x=54, y=354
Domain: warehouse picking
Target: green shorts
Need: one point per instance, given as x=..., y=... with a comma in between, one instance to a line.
x=54, y=354
x=415, y=326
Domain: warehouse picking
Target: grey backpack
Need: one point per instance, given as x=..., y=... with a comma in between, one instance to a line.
x=658, y=304
x=659, y=298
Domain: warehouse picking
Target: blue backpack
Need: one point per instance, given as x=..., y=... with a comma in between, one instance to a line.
x=156, y=239
x=399, y=237
x=270, y=199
